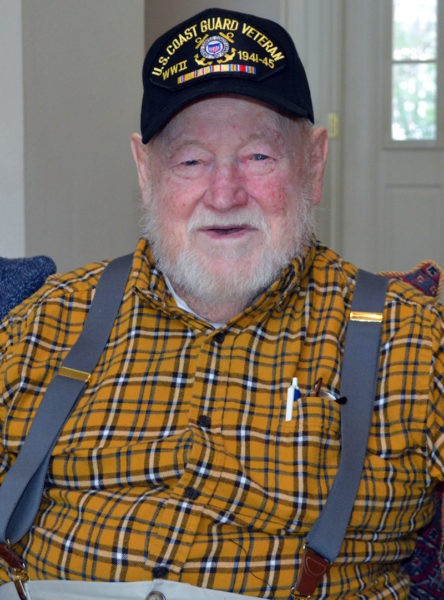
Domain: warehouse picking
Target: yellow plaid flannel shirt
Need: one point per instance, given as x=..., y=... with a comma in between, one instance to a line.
x=178, y=461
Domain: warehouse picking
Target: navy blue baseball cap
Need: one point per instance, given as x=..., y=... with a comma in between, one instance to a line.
x=220, y=51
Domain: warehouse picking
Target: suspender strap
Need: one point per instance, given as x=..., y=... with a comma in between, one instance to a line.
x=358, y=385
x=22, y=488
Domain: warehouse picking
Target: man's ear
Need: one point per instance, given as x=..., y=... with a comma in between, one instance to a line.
x=140, y=155
x=319, y=153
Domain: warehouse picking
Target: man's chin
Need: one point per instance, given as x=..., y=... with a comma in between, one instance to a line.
x=215, y=278
x=227, y=254
x=225, y=267
x=217, y=282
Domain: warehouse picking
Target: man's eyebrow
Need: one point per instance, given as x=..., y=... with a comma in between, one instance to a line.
x=171, y=143
x=173, y=146
x=268, y=133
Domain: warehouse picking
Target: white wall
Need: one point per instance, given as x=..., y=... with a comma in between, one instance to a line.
x=81, y=98
x=12, y=194
x=82, y=66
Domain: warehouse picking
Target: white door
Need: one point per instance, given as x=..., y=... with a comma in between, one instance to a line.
x=383, y=204
x=393, y=192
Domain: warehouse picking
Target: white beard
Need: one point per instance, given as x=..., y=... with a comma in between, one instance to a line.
x=194, y=277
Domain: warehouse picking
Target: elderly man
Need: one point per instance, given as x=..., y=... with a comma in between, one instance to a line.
x=207, y=439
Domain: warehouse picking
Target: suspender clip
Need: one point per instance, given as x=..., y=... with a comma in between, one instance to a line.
x=366, y=317
x=16, y=569
x=74, y=374
x=312, y=570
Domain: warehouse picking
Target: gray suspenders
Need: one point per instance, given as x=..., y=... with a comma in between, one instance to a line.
x=22, y=487
x=358, y=385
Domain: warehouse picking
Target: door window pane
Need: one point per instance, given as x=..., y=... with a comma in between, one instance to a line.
x=414, y=70
x=414, y=101
x=414, y=30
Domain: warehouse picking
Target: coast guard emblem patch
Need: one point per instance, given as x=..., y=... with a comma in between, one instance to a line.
x=214, y=47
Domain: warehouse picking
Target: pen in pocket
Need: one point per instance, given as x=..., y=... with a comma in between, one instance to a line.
x=293, y=393
x=318, y=391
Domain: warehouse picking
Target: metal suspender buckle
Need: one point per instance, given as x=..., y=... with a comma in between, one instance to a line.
x=366, y=317
x=16, y=569
x=312, y=570
x=74, y=374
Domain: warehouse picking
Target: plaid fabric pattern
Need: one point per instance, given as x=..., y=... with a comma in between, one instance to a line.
x=178, y=461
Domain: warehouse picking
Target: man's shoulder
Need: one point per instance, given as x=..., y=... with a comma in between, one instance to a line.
x=420, y=287
x=63, y=299
x=331, y=270
x=59, y=288
x=78, y=280
x=74, y=288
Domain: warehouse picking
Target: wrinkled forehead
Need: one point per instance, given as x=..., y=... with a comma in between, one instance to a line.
x=234, y=115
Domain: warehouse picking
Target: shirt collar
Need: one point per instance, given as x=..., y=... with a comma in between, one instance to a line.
x=184, y=306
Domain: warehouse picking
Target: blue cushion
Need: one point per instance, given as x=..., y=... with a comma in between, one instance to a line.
x=21, y=277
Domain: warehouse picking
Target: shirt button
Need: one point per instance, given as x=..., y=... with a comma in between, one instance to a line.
x=159, y=572
x=191, y=493
x=219, y=337
x=204, y=421
x=155, y=596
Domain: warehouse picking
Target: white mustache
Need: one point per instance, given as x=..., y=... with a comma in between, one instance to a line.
x=241, y=218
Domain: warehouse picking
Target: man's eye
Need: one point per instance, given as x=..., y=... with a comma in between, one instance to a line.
x=191, y=163
x=258, y=163
x=190, y=168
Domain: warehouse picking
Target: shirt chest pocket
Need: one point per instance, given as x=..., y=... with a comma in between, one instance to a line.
x=308, y=458
x=313, y=431
x=282, y=470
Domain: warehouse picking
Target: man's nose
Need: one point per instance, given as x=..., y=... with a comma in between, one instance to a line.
x=226, y=189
